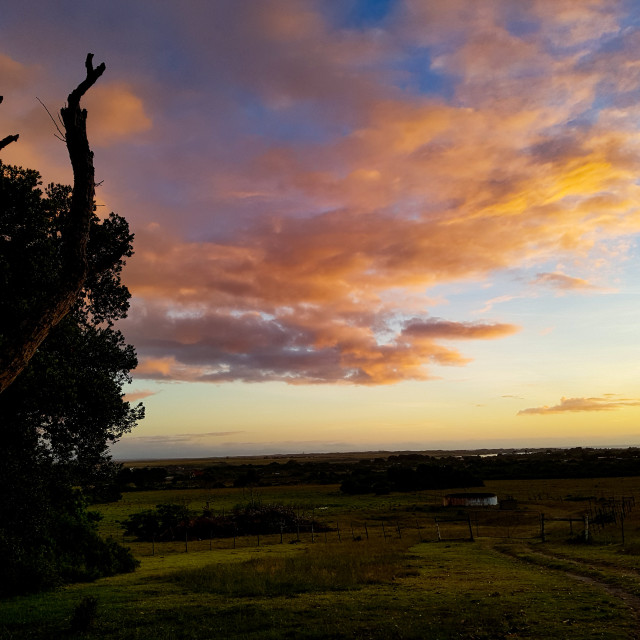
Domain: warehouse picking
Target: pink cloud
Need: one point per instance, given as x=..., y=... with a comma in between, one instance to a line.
x=137, y=395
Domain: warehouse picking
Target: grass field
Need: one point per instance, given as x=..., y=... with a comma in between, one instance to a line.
x=378, y=573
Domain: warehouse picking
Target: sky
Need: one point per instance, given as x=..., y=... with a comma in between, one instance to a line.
x=359, y=224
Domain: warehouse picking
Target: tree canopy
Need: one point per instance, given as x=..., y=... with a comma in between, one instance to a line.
x=59, y=416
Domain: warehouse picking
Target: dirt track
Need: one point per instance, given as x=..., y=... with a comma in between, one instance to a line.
x=602, y=575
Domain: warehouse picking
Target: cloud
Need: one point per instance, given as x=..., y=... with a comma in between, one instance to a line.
x=176, y=446
x=442, y=329
x=606, y=403
x=14, y=75
x=418, y=191
x=135, y=396
x=298, y=345
x=562, y=282
x=181, y=438
x=117, y=114
x=297, y=186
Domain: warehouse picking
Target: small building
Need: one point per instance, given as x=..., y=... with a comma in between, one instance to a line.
x=470, y=500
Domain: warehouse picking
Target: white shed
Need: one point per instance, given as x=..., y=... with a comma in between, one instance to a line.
x=470, y=500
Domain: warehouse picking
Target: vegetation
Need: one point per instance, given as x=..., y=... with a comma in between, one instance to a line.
x=176, y=521
x=59, y=416
x=397, y=581
x=381, y=473
x=318, y=568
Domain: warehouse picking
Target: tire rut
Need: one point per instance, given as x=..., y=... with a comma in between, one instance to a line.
x=629, y=599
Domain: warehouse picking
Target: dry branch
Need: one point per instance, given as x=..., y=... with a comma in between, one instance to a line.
x=8, y=139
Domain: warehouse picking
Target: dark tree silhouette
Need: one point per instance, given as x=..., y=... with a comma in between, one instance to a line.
x=24, y=333
x=61, y=413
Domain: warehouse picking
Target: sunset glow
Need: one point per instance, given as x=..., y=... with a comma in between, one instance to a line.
x=364, y=224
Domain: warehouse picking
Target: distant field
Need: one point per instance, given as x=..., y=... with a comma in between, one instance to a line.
x=303, y=457
x=388, y=566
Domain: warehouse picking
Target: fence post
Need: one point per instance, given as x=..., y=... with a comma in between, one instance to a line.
x=470, y=528
x=366, y=531
x=622, y=527
x=586, y=527
x=338, y=528
x=438, y=530
x=542, y=527
x=384, y=533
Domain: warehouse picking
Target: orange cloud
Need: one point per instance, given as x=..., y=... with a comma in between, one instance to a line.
x=582, y=404
x=306, y=253
x=443, y=329
x=117, y=114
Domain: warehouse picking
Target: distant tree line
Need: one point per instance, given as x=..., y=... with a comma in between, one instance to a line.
x=402, y=472
x=403, y=477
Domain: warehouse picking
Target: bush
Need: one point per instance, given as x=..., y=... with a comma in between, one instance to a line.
x=173, y=522
x=50, y=547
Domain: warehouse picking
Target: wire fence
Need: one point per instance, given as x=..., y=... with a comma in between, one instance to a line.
x=603, y=521
x=433, y=529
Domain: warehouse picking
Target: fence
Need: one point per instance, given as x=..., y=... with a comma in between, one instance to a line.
x=433, y=529
x=600, y=520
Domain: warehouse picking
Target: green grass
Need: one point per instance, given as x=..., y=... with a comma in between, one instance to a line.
x=380, y=587
x=431, y=590
x=316, y=568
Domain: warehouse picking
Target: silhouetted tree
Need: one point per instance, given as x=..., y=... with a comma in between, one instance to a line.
x=59, y=416
x=24, y=331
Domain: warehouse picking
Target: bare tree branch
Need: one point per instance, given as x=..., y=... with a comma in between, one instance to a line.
x=8, y=139
x=37, y=324
x=55, y=124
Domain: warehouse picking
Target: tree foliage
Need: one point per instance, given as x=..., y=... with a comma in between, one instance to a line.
x=60, y=415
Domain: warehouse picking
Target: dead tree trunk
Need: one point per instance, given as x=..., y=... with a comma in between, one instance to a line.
x=36, y=325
